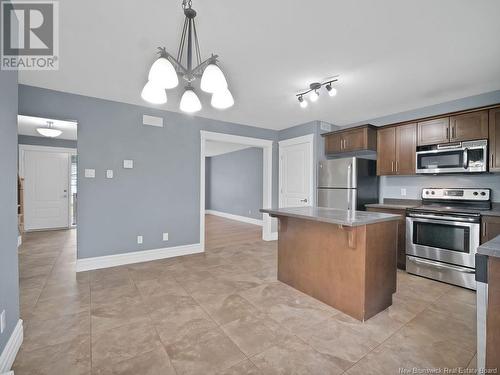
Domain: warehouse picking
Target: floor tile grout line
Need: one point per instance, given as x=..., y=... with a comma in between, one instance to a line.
x=154, y=326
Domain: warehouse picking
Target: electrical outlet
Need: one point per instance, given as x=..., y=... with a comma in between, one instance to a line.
x=403, y=192
x=128, y=164
x=165, y=236
x=109, y=173
x=2, y=321
x=139, y=240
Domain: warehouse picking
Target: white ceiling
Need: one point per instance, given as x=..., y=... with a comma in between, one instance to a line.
x=392, y=55
x=26, y=125
x=214, y=148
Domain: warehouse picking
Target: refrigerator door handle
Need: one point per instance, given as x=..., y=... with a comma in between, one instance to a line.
x=349, y=186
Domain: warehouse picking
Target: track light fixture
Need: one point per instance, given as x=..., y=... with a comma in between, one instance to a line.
x=314, y=91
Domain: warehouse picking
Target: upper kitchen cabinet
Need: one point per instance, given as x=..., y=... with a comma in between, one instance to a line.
x=469, y=126
x=432, y=132
x=396, y=148
x=495, y=140
x=360, y=138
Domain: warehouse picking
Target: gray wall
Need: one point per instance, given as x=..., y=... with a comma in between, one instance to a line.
x=160, y=194
x=9, y=281
x=234, y=182
x=390, y=186
x=44, y=141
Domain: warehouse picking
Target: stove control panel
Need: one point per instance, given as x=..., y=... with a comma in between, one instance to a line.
x=467, y=194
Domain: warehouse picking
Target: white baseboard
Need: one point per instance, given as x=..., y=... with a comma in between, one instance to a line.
x=273, y=236
x=11, y=348
x=19, y=241
x=87, y=264
x=243, y=219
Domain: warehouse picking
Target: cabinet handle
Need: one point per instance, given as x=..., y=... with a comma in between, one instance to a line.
x=454, y=131
x=397, y=166
x=484, y=229
x=392, y=166
x=447, y=133
x=491, y=160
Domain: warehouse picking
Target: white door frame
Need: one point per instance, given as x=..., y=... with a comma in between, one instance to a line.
x=267, y=170
x=309, y=138
x=64, y=150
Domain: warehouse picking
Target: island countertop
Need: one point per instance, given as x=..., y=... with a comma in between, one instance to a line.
x=332, y=215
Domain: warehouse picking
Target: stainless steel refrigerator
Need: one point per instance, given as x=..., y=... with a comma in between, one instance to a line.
x=347, y=183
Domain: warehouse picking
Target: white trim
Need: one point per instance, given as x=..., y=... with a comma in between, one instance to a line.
x=243, y=219
x=87, y=264
x=267, y=171
x=309, y=138
x=19, y=240
x=273, y=236
x=12, y=347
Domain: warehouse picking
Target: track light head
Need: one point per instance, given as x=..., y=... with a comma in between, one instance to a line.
x=303, y=103
x=332, y=91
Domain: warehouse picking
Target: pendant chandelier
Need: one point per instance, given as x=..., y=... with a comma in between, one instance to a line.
x=166, y=71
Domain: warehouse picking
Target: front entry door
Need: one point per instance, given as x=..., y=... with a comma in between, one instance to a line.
x=46, y=180
x=296, y=172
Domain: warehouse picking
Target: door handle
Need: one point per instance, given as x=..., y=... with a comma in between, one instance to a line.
x=304, y=200
x=447, y=133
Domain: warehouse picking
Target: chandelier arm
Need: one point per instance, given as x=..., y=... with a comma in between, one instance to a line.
x=197, y=44
x=202, y=65
x=190, y=46
x=183, y=40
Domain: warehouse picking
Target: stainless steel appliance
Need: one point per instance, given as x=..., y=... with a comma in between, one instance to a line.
x=347, y=183
x=458, y=157
x=443, y=234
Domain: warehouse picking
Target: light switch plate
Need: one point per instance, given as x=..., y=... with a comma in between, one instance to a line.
x=139, y=240
x=109, y=173
x=128, y=164
x=165, y=236
x=89, y=173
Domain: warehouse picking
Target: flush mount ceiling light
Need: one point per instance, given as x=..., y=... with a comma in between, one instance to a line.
x=314, y=91
x=49, y=131
x=166, y=70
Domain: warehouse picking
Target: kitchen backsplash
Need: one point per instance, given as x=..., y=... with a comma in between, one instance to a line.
x=391, y=186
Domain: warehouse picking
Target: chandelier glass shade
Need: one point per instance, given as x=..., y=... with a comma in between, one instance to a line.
x=190, y=102
x=166, y=71
x=153, y=93
x=222, y=99
x=49, y=131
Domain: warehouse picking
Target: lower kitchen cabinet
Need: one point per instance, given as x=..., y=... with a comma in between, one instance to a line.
x=401, y=232
x=490, y=228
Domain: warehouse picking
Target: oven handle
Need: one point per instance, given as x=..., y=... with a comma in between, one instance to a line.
x=448, y=218
x=466, y=158
x=440, y=265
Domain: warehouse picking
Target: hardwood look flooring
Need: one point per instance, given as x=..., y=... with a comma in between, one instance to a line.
x=222, y=312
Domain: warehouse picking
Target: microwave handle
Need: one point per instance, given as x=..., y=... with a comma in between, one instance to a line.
x=466, y=158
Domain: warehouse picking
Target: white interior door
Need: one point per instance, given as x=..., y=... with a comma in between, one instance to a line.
x=46, y=185
x=296, y=172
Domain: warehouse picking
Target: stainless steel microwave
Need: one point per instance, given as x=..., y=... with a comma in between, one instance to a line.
x=457, y=157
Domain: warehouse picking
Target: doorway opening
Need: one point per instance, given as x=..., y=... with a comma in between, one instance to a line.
x=211, y=141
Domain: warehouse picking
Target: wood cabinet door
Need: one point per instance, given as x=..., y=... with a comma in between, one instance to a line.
x=406, y=147
x=354, y=140
x=494, y=142
x=469, y=126
x=333, y=143
x=490, y=228
x=433, y=131
x=386, y=151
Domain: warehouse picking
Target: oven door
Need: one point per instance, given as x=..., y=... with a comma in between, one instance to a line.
x=447, y=240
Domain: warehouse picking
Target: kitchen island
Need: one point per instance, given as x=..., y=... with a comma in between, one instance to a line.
x=344, y=258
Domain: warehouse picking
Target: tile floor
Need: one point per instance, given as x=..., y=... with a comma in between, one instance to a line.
x=222, y=312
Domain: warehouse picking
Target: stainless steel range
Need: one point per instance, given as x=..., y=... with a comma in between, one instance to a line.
x=443, y=234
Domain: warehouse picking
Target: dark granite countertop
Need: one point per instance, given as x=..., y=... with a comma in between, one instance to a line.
x=495, y=210
x=333, y=216
x=490, y=248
